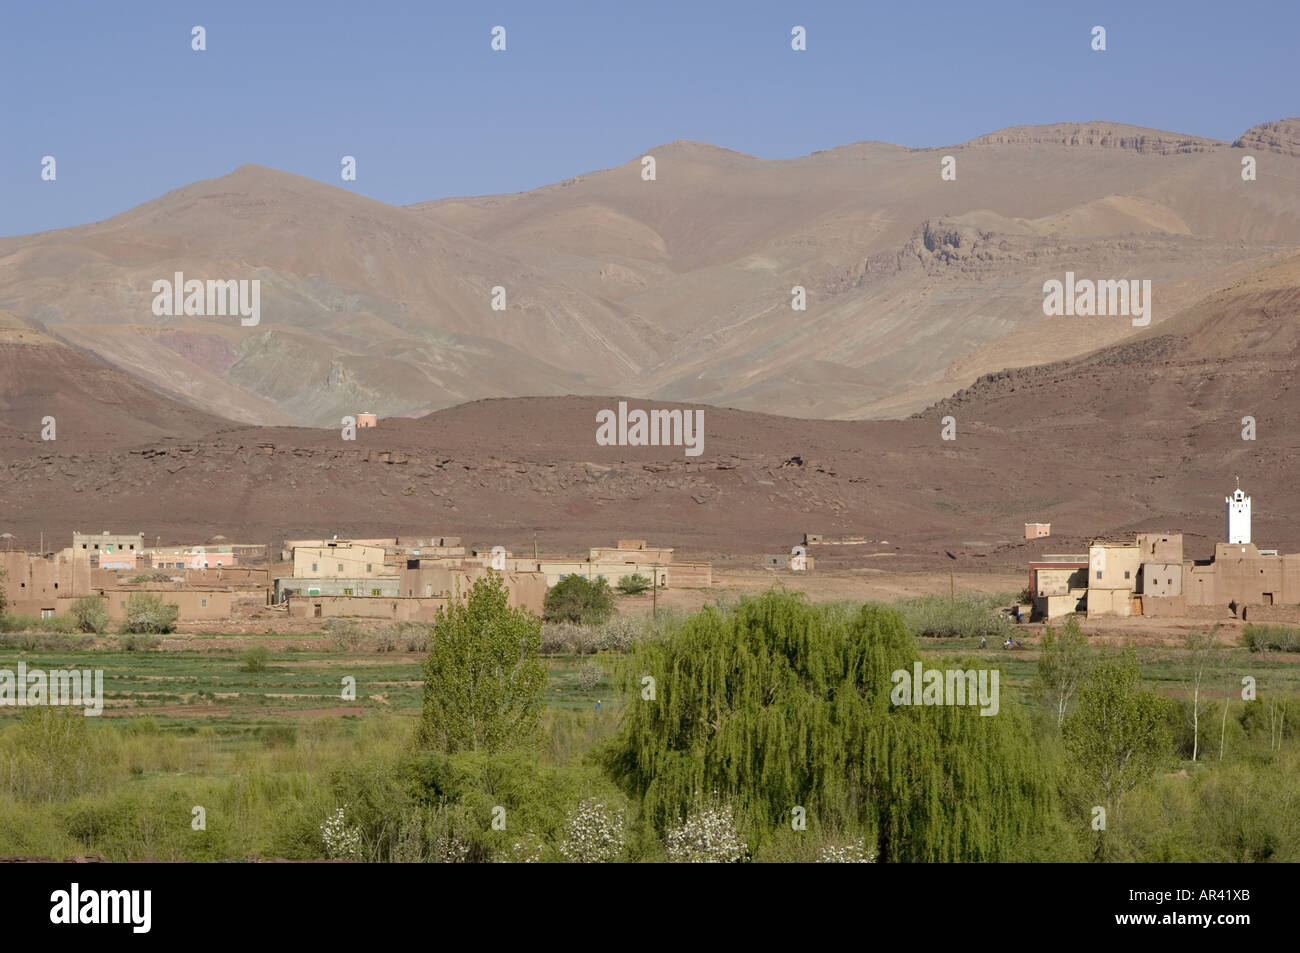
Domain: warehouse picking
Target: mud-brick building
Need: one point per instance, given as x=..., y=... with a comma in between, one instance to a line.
x=193, y=605
x=1058, y=584
x=1243, y=574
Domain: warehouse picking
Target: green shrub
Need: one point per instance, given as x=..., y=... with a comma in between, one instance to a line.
x=633, y=585
x=1271, y=638
x=90, y=614
x=579, y=599
x=969, y=615
x=133, y=642
x=147, y=614
x=254, y=660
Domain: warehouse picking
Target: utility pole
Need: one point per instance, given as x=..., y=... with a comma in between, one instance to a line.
x=654, y=589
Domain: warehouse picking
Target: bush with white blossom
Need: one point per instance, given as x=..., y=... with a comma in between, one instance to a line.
x=593, y=834
x=856, y=852
x=342, y=842
x=707, y=836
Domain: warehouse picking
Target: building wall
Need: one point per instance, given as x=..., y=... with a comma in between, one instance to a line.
x=1113, y=566
x=344, y=560
x=1055, y=606
x=397, y=609
x=1037, y=530
x=1059, y=580
x=239, y=576
x=1163, y=580
x=35, y=579
x=108, y=542
x=632, y=551
x=1160, y=547
x=388, y=586
x=672, y=576
x=194, y=604
x=526, y=590
x=291, y=544
x=1241, y=574
x=1109, y=602
x=1164, y=607
x=1274, y=613
x=194, y=557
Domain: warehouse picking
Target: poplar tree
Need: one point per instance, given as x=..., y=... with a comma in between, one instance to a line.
x=1117, y=735
x=483, y=678
x=1064, y=661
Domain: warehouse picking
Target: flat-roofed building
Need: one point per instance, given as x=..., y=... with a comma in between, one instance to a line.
x=341, y=559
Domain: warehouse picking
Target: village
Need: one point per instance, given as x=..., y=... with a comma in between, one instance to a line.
x=1147, y=575
x=401, y=578
x=411, y=578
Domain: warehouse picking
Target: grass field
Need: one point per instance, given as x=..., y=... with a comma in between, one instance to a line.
x=268, y=753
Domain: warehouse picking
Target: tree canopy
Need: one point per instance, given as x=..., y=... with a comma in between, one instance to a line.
x=777, y=704
x=483, y=679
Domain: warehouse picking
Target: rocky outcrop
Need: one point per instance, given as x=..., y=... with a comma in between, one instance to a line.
x=1282, y=137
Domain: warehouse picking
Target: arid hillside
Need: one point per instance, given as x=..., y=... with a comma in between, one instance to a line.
x=1145, y=434
x=674, y=289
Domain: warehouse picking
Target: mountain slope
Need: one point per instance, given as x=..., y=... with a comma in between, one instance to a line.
x=673, y=289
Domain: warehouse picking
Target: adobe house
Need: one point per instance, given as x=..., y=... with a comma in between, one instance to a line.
x=339, y=559
x=525, y=589
x=335, y=586
x=194, y=604
x=1112, y=578
x=1037, y=530
x=109, y=550
x=1058, y=584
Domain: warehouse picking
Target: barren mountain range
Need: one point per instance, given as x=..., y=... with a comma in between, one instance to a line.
x=674, y=289
x=922, y=293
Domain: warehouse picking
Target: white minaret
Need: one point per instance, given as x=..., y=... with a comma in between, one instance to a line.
x=1238, y=516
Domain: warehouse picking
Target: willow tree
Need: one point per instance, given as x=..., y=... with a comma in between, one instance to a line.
x=777, y=704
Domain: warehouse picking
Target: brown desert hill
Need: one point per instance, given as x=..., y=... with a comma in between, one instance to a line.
x=1146, y=434
x=94, y=406
x=672, y=289
x=1160, y=424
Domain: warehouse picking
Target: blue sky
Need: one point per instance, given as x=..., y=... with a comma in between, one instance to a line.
x=114, y=92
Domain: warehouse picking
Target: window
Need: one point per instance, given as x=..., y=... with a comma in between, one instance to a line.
x=313, y=567
x=203, y=603
x=347, y=592
x=375, y=592
x=1125, y=573
x=1098, y=573
x=340, y=567
x=47, y=613
x=370, y=567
